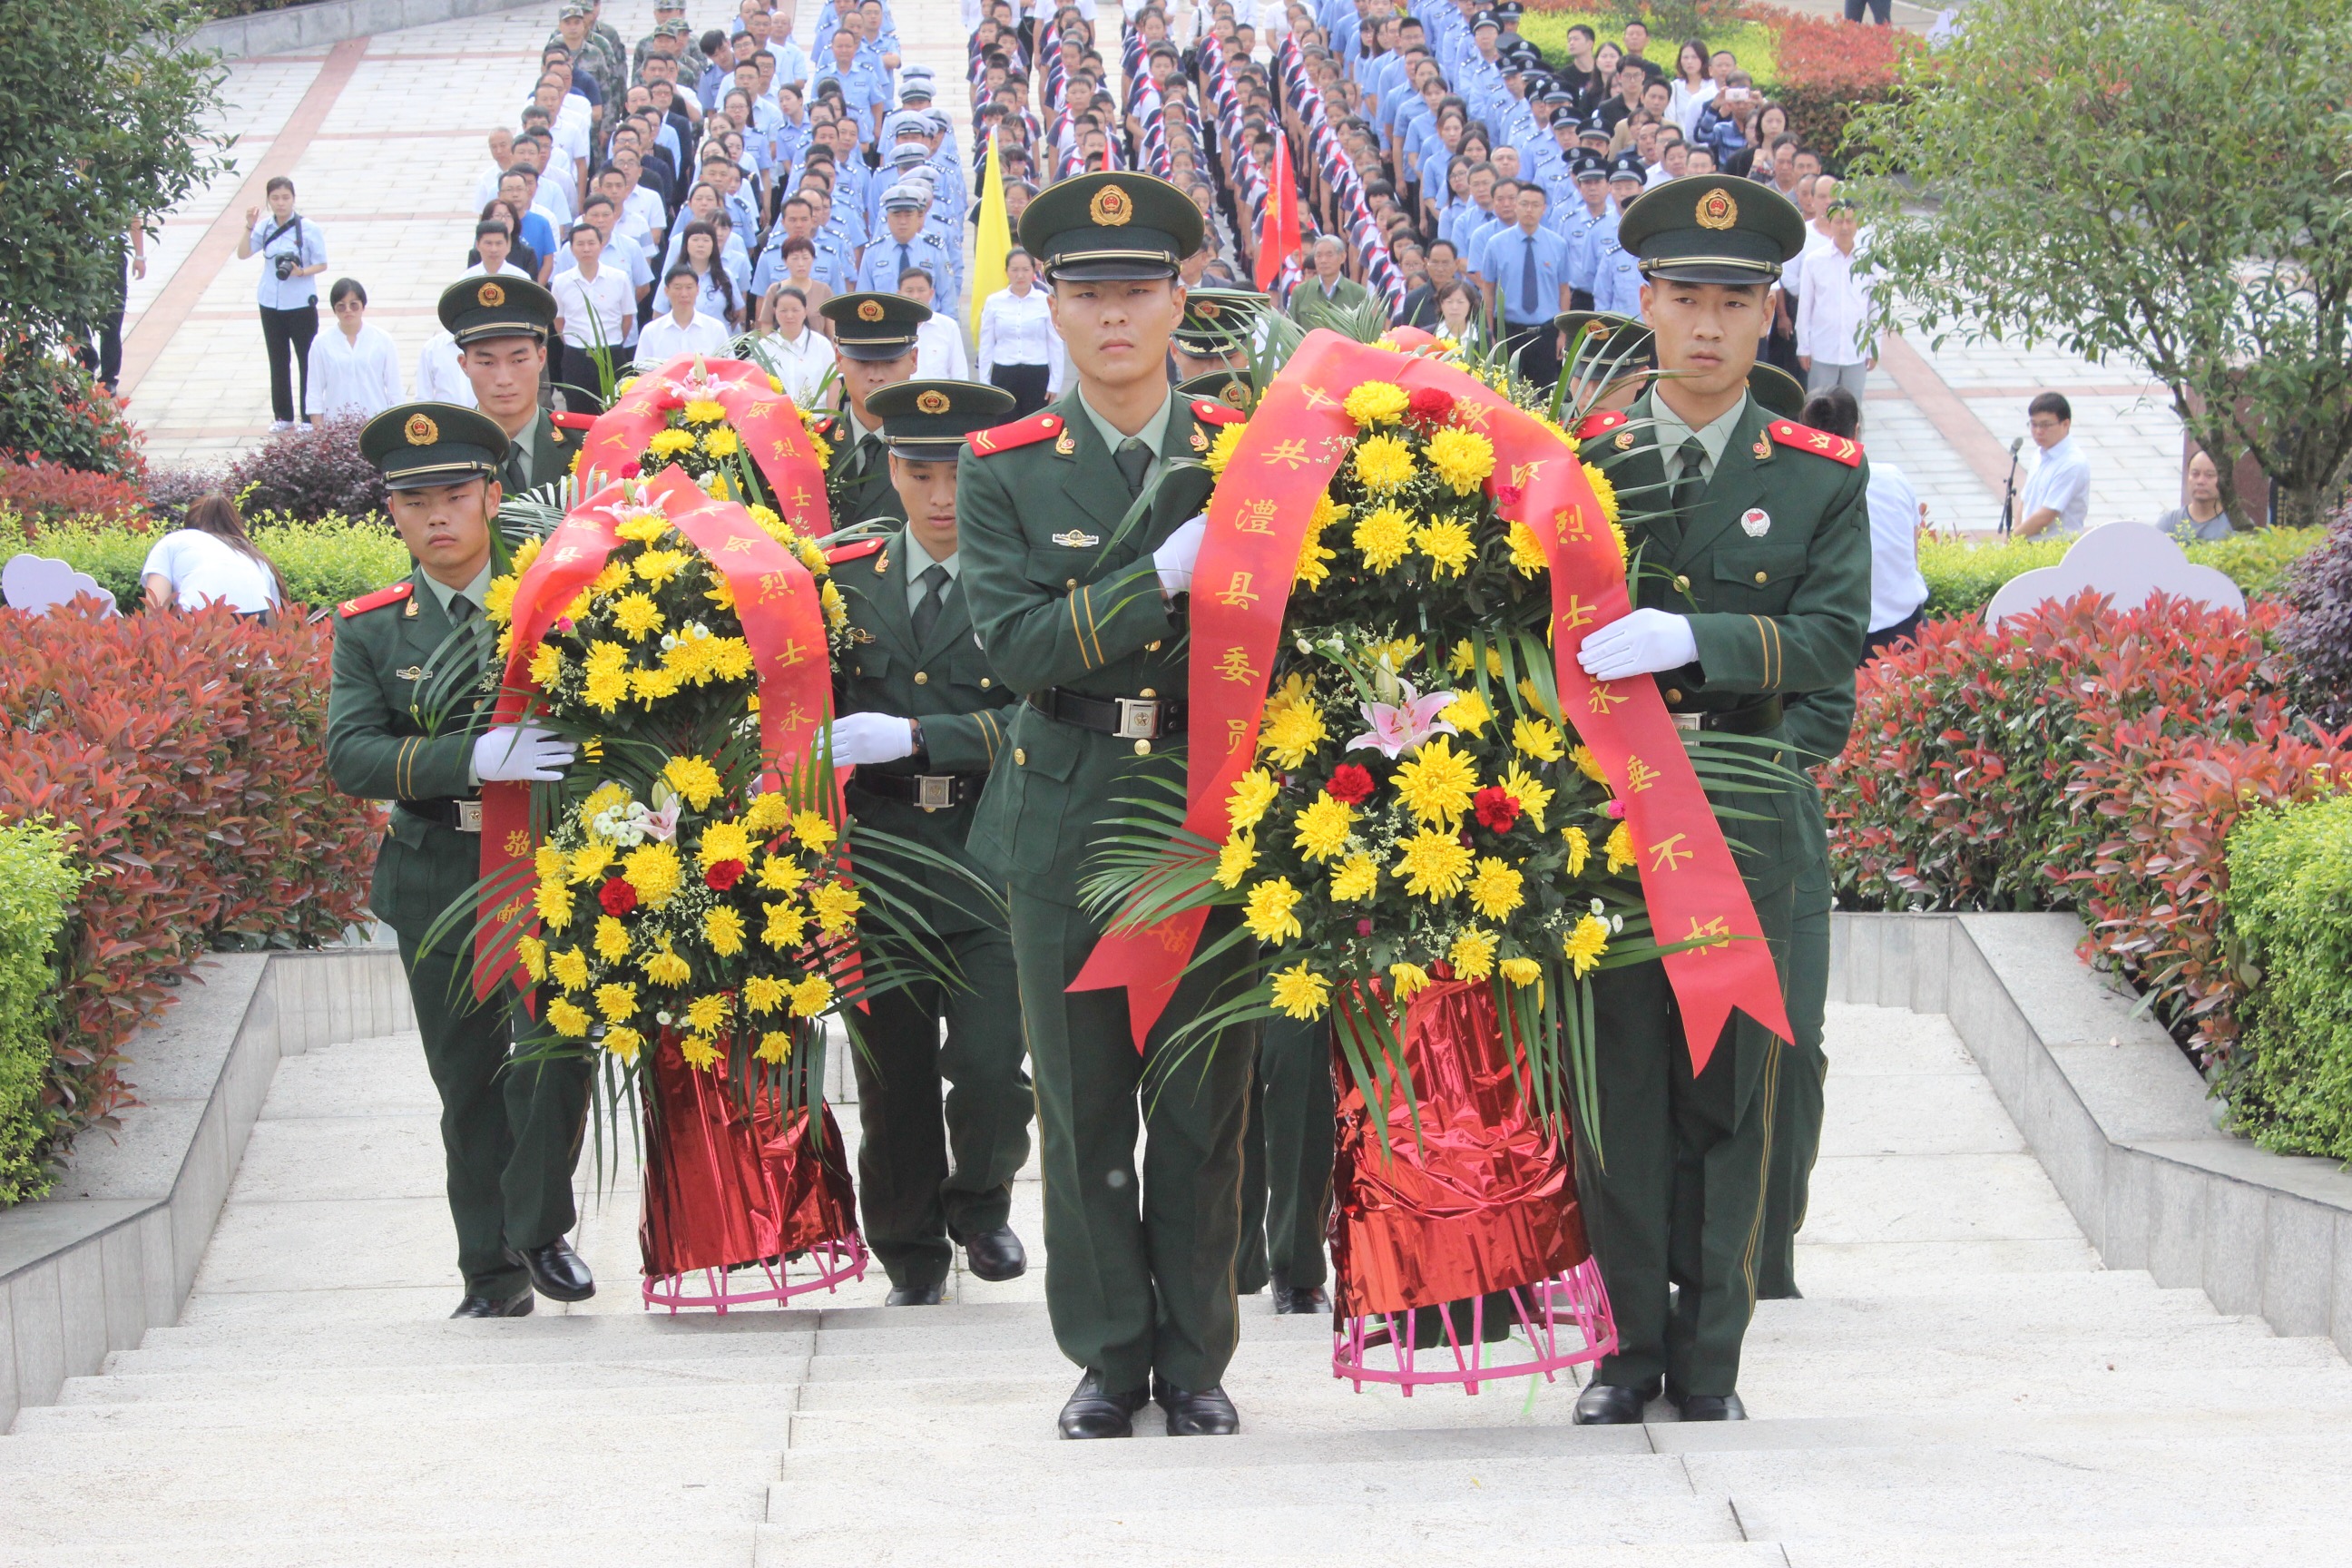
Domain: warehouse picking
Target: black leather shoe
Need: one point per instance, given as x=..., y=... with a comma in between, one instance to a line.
x=1089, y=1412
x=556, y=1271
x=996, y=1255
x=1300, y=1300
x=1711, y=1408
x=915, y=1296
x=1196, y=1412
x=1612, y=1404
x=516, y=1306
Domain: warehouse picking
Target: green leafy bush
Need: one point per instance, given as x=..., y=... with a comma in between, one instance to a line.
x=1755, y=43
x=324, y=562
x=51, y=408
x=1962, y=577
x=2290, y=901
x=38, y=885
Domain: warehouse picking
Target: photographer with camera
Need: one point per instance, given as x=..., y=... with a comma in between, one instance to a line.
x=292, y=252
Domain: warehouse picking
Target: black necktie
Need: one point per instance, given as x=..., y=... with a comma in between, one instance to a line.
x=935, y=598
x=1690, y=484
x=1528, y=307
x=1133, y=459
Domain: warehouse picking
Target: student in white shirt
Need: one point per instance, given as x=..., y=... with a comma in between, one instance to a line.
x=440, y=375
x=939, y=343
x=355, y=368
x=211, y=560
x=794, y=352
x=682, y=328
x=2057, y=497
x=595, y=310
x=1019, y=350
x=1835, y=343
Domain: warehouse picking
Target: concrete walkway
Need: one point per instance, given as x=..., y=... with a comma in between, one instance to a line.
x=1962, y=1386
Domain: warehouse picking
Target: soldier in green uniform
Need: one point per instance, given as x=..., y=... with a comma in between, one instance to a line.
x=922, y=719
x=1088, y=622
x=502, y=325
x=404, y=724
x=873, y=334
x=1220, y=327
x=1756, y=584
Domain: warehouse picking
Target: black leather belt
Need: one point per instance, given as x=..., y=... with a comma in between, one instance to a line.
x=1757, y=719
x=1128, y=718
x=931, y=792
x=463, y=813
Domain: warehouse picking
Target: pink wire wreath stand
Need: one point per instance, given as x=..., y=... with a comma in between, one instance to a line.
x=1573, y=1300
x=839, y=1261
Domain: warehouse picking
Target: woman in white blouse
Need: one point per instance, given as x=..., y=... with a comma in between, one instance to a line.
x=1694, y=90
x=939, y=343
x=354, y=370
x=794, y=352
x=1019, y=350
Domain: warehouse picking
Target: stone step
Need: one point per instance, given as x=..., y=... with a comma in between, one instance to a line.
x=496, y=1542
x=555, y=1380
x=760, y=1403
x=446, y=1342
x=1277, y=1539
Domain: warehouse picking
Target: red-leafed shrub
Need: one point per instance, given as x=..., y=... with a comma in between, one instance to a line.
x=52, y=409
x=1828, y=68
x=40, y=489
x=183, y=757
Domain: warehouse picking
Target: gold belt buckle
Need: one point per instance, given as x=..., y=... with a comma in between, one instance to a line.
x=1139, y=719
x=469, y=816
x=1688, y=723
x=935, y=792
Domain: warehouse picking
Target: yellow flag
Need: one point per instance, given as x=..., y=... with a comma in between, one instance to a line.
x=989, y=246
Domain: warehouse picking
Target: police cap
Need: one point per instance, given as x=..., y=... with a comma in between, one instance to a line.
x=1109, y=226
x=873, y=326
x=1713, y=228
x=415, y=445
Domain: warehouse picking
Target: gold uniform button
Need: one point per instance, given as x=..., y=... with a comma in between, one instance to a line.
x=1020, y=758
x=1147, y=693
x=1072, y=582
x=1761, y=577
x=1143, y=748
x=983, y=683
x=1152, y=648
x=1682, y=584
x=1674, y=694
x=922, y=678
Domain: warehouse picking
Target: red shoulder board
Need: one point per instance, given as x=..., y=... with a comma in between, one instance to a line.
x=856, y=549
x=1020, y=433
x=1599, y=424
x=1820, y=443
x=1208, y=411
x=376, y=601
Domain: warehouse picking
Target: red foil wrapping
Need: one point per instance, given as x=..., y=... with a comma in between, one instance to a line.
x=728, y=1183
x=1477, y=1198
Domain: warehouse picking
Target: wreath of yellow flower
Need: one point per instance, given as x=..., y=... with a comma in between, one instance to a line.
x=1520, y=972
x=1462, y=459
x=721, y=442
x=1376, y=403
x=1434, y=864
x=1438, y=782
x=570, y=1020
x=1584, y=945
x=1384, y=537
x=1252, y=793
x=1234, y=860
x=1270, y=912
x=1384, y=463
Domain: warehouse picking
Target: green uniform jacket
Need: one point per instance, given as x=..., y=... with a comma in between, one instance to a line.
x=544, y=454
x=854, y=493
x=399, y=728
x=1776, y=604
x=1060, y=602
x=1309, y=307
x=946, y=683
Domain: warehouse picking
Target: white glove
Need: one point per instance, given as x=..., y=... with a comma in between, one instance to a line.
x=1176, y=554
x=1642, y=643
x=520, y=753
x=862, y=738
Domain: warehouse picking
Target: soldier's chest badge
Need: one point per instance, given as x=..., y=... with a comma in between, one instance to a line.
x=1073, y=539
x=1756, y=522
x=860, y=636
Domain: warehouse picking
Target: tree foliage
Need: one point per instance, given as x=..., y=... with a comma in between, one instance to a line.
x=2154, y=179
x=98, y=114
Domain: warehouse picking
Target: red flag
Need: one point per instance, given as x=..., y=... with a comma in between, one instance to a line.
x=1278, y=231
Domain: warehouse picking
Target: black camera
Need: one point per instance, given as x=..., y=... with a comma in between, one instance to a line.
x=284, y=265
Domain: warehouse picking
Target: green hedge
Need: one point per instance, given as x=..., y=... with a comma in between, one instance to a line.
x=1962, y=578
x=2290, y=901
x=324, y=562
x=1757, y=43
x=36, y=887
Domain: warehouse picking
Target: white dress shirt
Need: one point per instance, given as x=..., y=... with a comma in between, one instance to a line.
x=1896, y=586
x=2061, y=482
x=939, y=351
x=440, y=378
x=607, y=297
x=351, y=379
x=662, y=339
x=1018, y=329
x=1834, y=303
x=800, y=364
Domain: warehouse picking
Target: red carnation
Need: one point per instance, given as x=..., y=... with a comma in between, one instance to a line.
x=1351, y=783
x=1496, y=809
x=630, y=470
x=618, y=896
x=723, y=876
x=1508, y=495
x=1428, y=403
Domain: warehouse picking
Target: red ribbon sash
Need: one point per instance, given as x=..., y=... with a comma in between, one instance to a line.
x=1257, y=522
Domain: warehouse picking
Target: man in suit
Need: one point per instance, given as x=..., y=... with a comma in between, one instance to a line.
x=1327, y=292
x=874, y=338
x=921, y=719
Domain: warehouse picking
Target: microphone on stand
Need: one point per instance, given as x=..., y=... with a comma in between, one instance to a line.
x=2009, y=494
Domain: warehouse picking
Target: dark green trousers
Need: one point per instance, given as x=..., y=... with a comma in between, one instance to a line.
x=922, y=1180
x=1138, y=1274
x=1797, y=1112
x=509, y=1130
x=1676, y=1219
x=1287, y=1156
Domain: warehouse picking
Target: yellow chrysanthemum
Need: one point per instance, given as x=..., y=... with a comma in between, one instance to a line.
x=811, y=556
x=569, y=968
x=812, y=996
x=1603, y=490
x=1535, y=699
x=1464, y=656
x=653, y=685
x=1495, y=890
x=1382, y=537
x=1384, y=462
x=1619, y=850
x=615, y=577
x=1252, y=793
x=1376, y=403
x=1446, y=541
x=533, y=953
x=1462, y=459
x=611, y=939
x=1234, y=860
x=1579, y=850
x=608, y=686
x=775, y=1046
x=636, y=615
x=670, y=443
x=722, y=928
x=667, y=968
x=604, y=798
x=722, y=594
x=1532, y=794
x=812, y=830
x=1538, y=738
x=1315, y=559
x=1269, y=914
x=644, y=530
x=653, y=870
x=782, y=873
x=617, y=1001
x=1357, y=879
x=1437, y=782
x=786, y=923
x=1468, y=711
x=659, y=566
x=1433, y=864
x=767, y=812
x=1221, y=451
x=567, y=1018
x=705, y=411
x=546, y=666
x=835, y=905
x=694, y=778
x=1584, y=944
x=706, y=1013
x=1588, y=765
x=1397, y=654
x=553, y=901
x=1300, y=993
x=764, y=994
x=724, y=841
x=699, y=1054
x=1323, y=827
x=1520, y=972
x=624, y=1044
x=498, y=598
x=836, y=608
x=1472, y=954
x=1293, y=725
x=1410, y=979
x=720, y=443
x=588, y=863
x=1527, y=550
x=525, y=554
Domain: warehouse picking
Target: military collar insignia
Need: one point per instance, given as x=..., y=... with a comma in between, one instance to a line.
x=882, y=563
x=1624, y=442
x=1200, y=439
x=1762, y=449
x=1066, y=445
